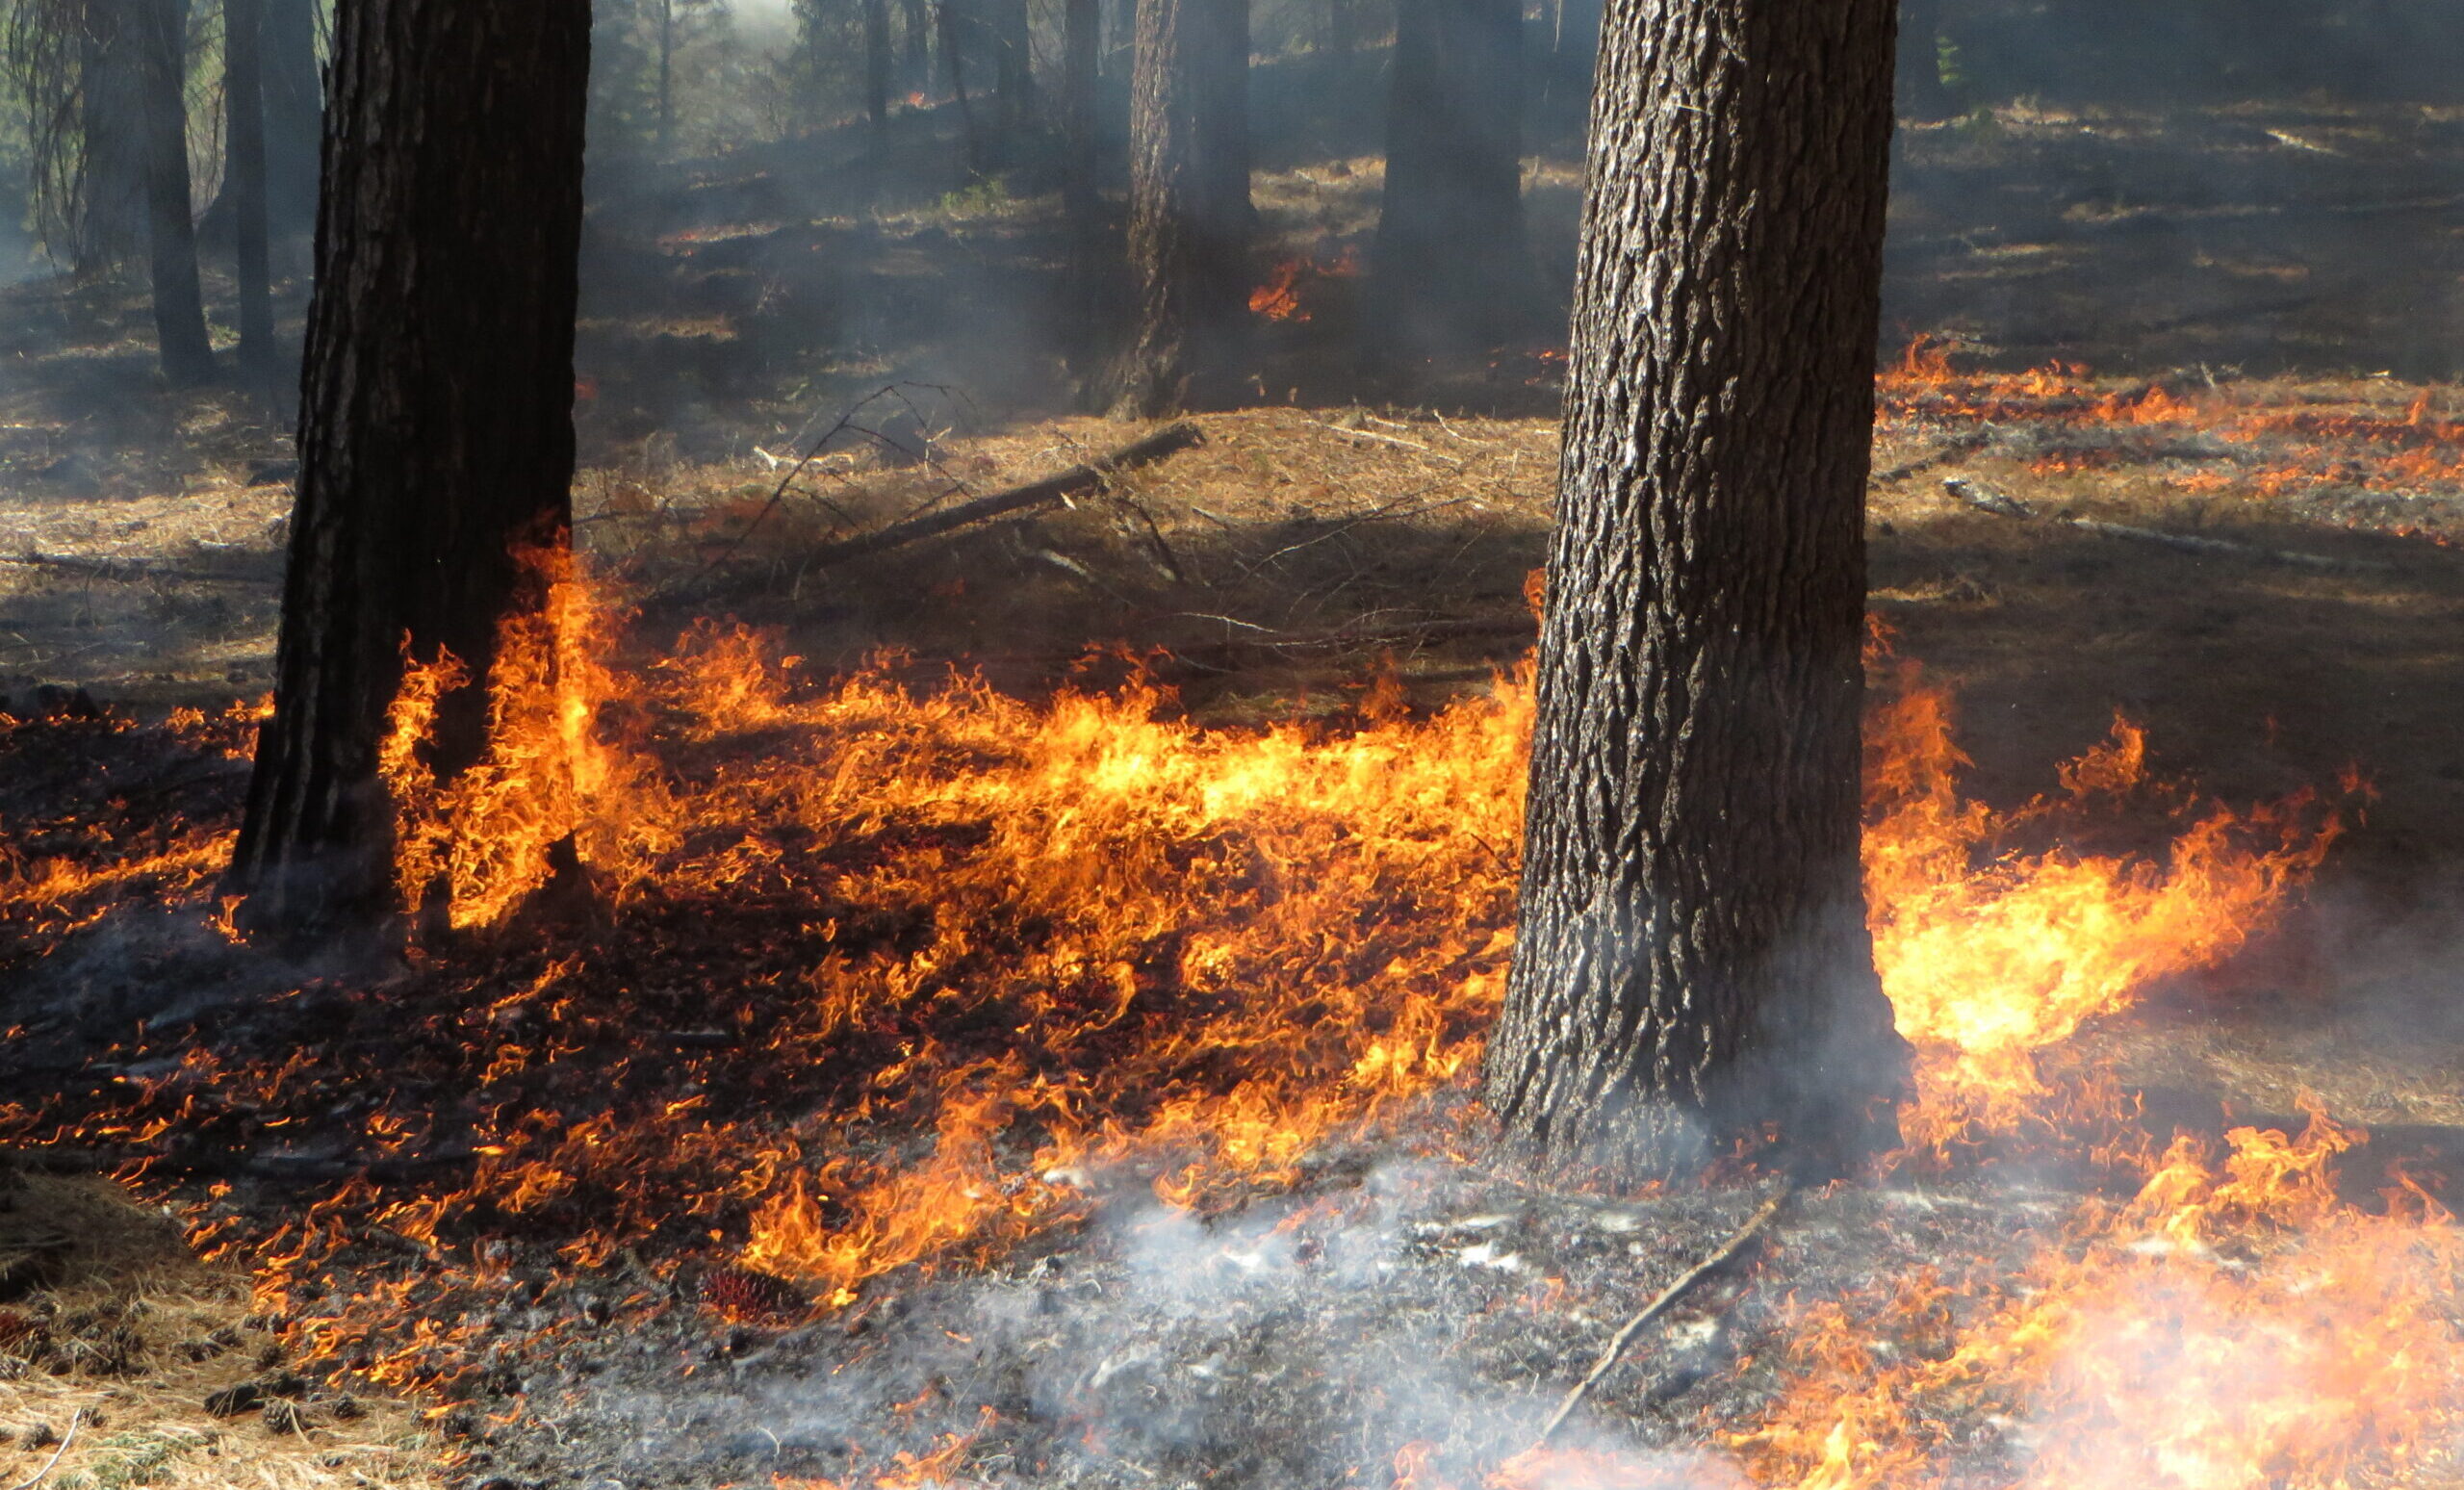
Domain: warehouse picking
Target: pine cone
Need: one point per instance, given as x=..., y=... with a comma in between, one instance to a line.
x=741, y=1293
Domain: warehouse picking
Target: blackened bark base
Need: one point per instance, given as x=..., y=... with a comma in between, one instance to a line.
x=1692, y=967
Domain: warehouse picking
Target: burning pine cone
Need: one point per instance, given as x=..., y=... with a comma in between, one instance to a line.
x=741, y=1293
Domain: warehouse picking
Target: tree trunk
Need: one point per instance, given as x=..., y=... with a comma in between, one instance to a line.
x=171, y=229
x=1450, y=271
x=110, y=218
x=1921, y=94
x=877, y=63
x=951, y=23
x=245, y=166
x=1189, y=207
x=666, y=74
x=294, y=112
x=436, y=423
x=1693, y=961
x=1087, y=334
x=918, y=66
x=1013, y=76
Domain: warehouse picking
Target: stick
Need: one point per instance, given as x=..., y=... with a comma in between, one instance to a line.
x=76, y=1421
x=1985, y=499
x=1728, y=1253
x=1170, y=440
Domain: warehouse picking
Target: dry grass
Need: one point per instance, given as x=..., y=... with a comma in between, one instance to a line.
x=140, y=1333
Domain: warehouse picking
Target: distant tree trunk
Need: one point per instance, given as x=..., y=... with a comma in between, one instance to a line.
x=1342, y=27
x=294, y=112
x=950, y=23
x=436, y=422
x=110, y=217
x=1013, y=76
x=171, y=229
x=877, y=63
x=1081, y=189
x=1189, y=206
x=1693, y=961
x=1451, y=270
x=1921, y=94
x=917, y=40
x=666, y=74
x=244, y=168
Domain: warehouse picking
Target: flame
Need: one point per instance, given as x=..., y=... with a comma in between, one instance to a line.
x=1281, y=297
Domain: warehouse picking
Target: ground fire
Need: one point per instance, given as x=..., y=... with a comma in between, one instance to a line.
x=1142, y=745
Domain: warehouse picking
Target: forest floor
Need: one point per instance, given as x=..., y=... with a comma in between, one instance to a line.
x=2261, y=304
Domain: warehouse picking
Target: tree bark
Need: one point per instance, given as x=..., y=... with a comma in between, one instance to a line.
x=245, y=166
x=1693, y=962
x=436, y=422
x=1452, y=271
x=294, y=112
x=1189, y=215
x=950, y=22
x=180, y=336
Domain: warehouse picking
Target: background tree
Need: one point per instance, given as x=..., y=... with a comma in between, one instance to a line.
x=1189, y=217
x=1921, y=94
x=437, y=422
x=180, y=337
x=1451, y=270
x=244, y=176
x=293, y=89
x=1693, y=960
x=877, y=62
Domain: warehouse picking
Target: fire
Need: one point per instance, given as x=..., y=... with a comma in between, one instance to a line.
x=1281, y=297
x=1992, y=954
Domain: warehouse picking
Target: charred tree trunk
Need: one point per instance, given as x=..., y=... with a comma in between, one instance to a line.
x=294, y=112
x=111, y=216
x=1189, y=207
x=1450, y=271
x=877, y=63
x=245, y=166
x=666, y=74
x=1693, y=961
x=171, y=228
x=436, y=422
x=1921, y=94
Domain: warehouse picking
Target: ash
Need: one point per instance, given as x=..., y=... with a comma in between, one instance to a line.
x=1397, y=1306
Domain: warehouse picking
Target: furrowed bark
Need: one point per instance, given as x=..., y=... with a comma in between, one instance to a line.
x=1693, y=962
x=436, y=419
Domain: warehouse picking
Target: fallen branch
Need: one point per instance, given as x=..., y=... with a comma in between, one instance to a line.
x=1170, y=440
x=1729, y=1251
x=1983, y=499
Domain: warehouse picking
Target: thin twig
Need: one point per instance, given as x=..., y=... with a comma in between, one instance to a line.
x=76, y=1421
x=1728, y=1253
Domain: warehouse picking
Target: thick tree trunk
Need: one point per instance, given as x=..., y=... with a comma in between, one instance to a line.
x=110, y=217
x=436, y=422
x=1189, y=215
x=294, y=112
x=1693, y=961
x=171, y=229
x=877, y=63
x=1452, y=271
x=245, y=168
